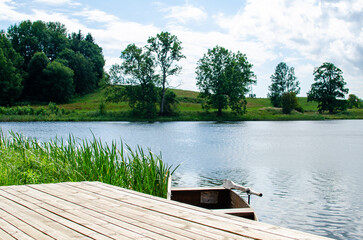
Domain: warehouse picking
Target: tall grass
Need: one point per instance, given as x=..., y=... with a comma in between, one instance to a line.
x=28, y=161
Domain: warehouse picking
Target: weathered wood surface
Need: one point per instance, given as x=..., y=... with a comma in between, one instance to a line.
x=93, y=210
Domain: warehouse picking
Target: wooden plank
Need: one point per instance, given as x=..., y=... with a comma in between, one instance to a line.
x=76, y=218
x=95, y=217
x=9, y=231
x=137, y=213
x=45, y=225
x=189, y=213
x=178, y=210
x=5, y=236
x=22, y=226
x=199, y=188
x=52, y=213
x=227, y=222
x=234, y=210
x=92, y=209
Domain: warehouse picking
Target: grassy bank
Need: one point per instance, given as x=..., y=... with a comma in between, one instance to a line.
x=93, y=107
x=27, y=161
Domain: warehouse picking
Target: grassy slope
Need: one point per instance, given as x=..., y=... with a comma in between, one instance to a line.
x=87, y=108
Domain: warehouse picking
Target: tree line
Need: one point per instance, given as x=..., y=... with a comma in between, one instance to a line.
x=142, y=79
x=223, y=78
x=328, y=89
x=40, y=62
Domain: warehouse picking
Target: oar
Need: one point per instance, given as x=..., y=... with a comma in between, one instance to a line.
x=228, y=184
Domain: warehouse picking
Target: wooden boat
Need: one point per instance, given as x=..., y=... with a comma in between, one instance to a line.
x=220, y=199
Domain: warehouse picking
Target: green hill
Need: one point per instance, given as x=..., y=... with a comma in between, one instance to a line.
x=92, y=107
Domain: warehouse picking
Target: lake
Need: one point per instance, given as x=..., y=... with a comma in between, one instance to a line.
x=310, y=172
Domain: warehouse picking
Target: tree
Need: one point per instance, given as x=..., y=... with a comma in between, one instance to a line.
x=223, y=78
x=10, y=75
x=283, y=81
x=85, y=79
x=353, y=101
x=167, y=49
x=58, y=83
x=31, y=37
x=137, y=75
x=34, y=83
x=328, y=89
x=90, y=50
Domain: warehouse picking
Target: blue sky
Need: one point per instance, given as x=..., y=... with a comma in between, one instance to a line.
x=302, y=33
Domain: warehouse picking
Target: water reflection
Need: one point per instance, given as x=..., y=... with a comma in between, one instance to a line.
x=309, y=172
x=333, y=204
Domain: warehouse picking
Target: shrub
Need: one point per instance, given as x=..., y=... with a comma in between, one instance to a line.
x=171, y=102
x=353, y=101
x=53, y=108
x=288, y=102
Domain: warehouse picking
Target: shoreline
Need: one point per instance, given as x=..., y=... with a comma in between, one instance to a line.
x=198, y=116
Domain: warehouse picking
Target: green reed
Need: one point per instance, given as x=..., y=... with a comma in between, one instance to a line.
x=28, y=161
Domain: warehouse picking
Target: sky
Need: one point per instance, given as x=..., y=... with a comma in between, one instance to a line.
x=302, y=33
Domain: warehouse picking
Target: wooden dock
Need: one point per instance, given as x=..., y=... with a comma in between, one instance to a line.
x=93, y=210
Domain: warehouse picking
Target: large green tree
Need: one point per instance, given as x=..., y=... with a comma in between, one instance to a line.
x=85, y=80
x=83, y=55
x=137, y=77
x=91, y=51
x=31, y=37
x=10, y=75
x=223, y=78
x=283, y=81
x=329, y=88
x=34, y=83
x=167, y=49
x=58, y=83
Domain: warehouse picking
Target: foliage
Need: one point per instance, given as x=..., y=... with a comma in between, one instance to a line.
x=91, y=51
x=223, y=78
x=77, y=52
x=328, y=89
x=87, y=108
x=167, y=49
x=353, y=101
x=171, y=102
x=283, y=81
x=289, y=102
x=27, y=161
x=138, y=78
x=10, y=75
x=31, y=37
x=58, y=84
x=116, y=75
x=35, y=81
x=35, y=111
x=85, y=80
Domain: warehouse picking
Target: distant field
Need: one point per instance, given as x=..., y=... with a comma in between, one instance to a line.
x=88, y=108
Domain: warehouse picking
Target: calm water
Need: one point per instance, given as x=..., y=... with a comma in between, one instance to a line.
x=309, y=172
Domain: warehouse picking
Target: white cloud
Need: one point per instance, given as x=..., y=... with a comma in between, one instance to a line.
x=186, y=13
x=316, y=31
x=8, y=11
x=56, y=2
x=97, y=16
x=72, y=24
